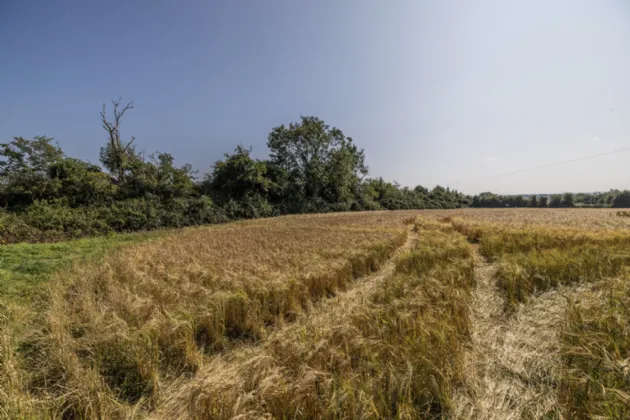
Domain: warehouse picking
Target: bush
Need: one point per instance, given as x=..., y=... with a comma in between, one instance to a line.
x=14, y=228
x=252, y=206
x=56, y=219
x=202, y=210
x=133, y=214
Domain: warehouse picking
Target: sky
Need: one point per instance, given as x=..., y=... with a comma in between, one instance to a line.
x=455, y=93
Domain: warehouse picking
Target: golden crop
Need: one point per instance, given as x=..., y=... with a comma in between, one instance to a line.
x=351, y=315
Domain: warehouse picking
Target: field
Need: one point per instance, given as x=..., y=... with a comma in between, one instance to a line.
x=509, y=313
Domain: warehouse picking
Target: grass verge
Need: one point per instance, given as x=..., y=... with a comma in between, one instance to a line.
x=25, y=266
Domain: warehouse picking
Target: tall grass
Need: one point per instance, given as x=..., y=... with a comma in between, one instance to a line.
x=248, y=320
x=578, y=218
x=111, y=334
x=397, y=354
x=596, y=353
x=524, y=274
x=537, y=258
x=595, y=344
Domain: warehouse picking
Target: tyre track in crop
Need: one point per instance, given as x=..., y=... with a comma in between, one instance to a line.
x=343, y=302
x=511, y=367
x=181, y=395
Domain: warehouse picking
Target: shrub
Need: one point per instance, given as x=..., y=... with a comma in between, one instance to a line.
x=54, y=219
x=14, y=228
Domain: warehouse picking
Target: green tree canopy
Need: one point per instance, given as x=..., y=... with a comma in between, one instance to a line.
x=81, y=183
x=319, y=160
x=239, y=175
x=622, y=200
x=567, y=200
x=544, y=201
x=25, y=167
x=555, y=200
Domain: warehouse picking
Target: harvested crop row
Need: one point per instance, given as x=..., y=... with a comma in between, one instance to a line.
x=115, y=332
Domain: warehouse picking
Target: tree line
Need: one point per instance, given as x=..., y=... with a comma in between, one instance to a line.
x=312, y=167
x=612, y=198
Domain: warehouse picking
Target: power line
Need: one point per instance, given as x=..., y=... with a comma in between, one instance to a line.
x=548, y=165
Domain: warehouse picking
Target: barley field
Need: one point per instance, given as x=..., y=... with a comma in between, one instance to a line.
x=472, y=314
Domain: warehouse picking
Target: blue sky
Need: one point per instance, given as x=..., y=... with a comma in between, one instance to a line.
x=436, y=92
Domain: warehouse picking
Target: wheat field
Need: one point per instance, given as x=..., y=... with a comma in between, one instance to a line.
x=484, y=314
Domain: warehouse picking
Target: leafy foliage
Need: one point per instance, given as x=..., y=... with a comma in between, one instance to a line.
x=313, y=168
x=24, y=172
x=321, y=162
x=622, y=200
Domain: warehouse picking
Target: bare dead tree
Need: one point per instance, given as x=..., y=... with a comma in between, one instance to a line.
x=117, y=153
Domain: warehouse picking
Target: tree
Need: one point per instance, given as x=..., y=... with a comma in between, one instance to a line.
x=567, y=200
x=487, y=199
x=622, y=200
x=343, y=174
x=117, y=155
x=81, y=183
x=170, y=180
x=241, y=185
x=238, y=176
x=446, y=198
x=388, y=195
x=543, y=202
x=556, y=200
x=533, y=201
x=319, y=160
x=518, y=201
x=24, y=171
x=157, y=176
x=419, y=189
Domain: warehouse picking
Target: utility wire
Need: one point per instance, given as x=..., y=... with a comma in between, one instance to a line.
x=548, y=165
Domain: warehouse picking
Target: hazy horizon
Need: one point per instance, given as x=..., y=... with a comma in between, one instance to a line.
x=444, y=93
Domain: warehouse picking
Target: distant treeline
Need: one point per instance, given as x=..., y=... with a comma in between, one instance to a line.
x=612, y=198
x=47, y=195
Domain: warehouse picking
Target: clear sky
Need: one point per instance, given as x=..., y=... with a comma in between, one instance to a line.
x=436, y=92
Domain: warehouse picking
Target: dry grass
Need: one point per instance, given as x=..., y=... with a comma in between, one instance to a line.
x=114, y=333
x=537, y=258
x=581, y=369
x=393, y=351
x=513, y=366
x=266, y=319
x=593, y=219
x=596, y=353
